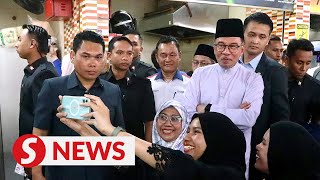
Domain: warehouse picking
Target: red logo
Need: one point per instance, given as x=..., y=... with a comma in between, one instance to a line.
x=29, y=150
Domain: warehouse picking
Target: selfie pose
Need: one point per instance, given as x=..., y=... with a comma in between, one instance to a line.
x=214, y=146
x=87, y=57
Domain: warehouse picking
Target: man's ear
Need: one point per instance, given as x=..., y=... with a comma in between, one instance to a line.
x=109, y=56
x=268, y=40
x=72, y=56
x=141, y=49
x=242, y=50
x=33, y=43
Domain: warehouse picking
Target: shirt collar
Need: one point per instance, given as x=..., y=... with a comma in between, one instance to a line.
x=135, y=63
x=230, y=70
x=253, y=63
x=178, y=75
x=73, y=81
x=291, y=78
x=32, y=67
x=110, y=74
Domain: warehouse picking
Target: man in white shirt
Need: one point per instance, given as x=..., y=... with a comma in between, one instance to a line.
x=227, y=87
x=169, y=83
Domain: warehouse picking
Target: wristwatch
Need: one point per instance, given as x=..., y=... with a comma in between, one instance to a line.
x=116, y=131
x=207, y=108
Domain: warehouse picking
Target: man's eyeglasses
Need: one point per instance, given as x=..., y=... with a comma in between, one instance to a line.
x=196, y=63
x=233, y=48
x=163, y=118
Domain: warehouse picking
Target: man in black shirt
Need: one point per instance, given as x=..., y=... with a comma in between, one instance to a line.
x=32, y=46
x=304, y=96
x=137, y=96
x=138, y=67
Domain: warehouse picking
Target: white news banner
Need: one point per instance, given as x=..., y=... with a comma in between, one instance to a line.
x=77, y=150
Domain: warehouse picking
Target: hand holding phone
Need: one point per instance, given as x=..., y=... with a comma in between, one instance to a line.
x=72, y=106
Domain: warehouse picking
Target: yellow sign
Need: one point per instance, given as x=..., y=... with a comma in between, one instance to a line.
x=315, y=7
x=302, y=31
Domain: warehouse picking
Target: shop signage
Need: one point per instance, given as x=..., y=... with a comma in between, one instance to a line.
x=274, y=4
x=302, y=31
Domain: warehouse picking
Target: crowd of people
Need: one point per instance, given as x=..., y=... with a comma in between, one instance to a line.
x=245, y=111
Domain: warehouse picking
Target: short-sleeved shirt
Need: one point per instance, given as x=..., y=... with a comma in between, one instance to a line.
x=45, y=118
x=34, y=75
x=137, y=101
x=167, y=90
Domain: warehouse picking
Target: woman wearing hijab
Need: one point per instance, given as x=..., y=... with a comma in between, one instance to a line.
x=170, y=125
x=215, y=146
x=169, y=128
x=288, y=152
x=218, y=146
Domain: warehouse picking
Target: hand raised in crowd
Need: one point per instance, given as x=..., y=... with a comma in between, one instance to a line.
x=79, y=126
x=100, y=118
x=200, y=108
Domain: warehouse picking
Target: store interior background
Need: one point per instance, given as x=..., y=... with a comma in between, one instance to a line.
x=11, y=66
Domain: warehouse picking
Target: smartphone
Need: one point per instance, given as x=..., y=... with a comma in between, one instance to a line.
x=71, y=105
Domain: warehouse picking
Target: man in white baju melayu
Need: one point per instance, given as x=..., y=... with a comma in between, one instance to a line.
x=227, y=87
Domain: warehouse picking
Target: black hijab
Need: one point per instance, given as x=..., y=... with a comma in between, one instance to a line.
x=293, y=153
x=226, y=144
x=223, y=159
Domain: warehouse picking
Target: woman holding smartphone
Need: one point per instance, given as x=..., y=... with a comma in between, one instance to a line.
x=214, y=146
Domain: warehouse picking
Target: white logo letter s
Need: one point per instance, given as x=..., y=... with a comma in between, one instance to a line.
x=26, y=148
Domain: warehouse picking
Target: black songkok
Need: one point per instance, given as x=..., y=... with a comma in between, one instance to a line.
x=205, y=50
x=229, y=28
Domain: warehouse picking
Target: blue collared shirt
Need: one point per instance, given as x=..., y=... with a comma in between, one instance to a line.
x=252, y=65
x=178, y=75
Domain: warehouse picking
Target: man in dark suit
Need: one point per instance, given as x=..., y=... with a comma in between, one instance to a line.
x=87, y=57
x=275, y=107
